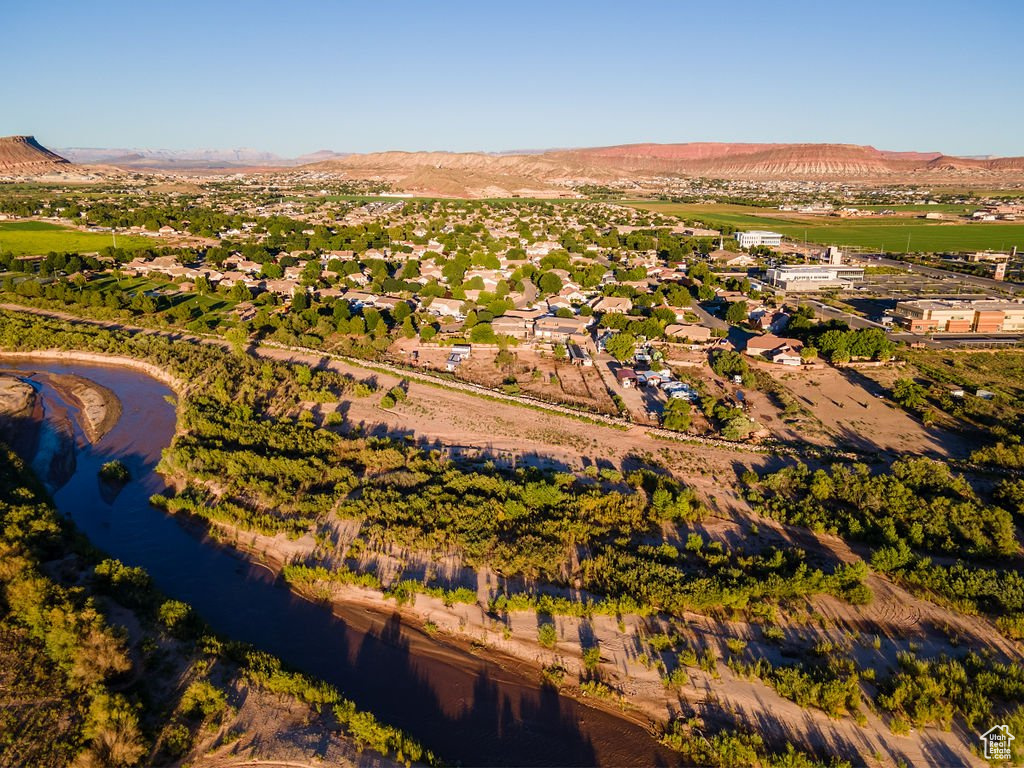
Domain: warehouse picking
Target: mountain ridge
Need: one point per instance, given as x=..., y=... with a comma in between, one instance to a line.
x=550, y=171
x=23, y=154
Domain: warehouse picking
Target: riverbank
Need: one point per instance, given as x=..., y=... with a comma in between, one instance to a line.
x=456, y=699
x=20, y=415
x=753, y=699
x=637, y=691
x=100, y=409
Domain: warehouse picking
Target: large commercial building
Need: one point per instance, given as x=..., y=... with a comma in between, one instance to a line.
x=810, y=277
x=756, y=237
x=947, y=316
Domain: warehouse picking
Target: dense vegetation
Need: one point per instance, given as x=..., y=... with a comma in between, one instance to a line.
x=934, y=692
x=736, y=749
x=77, y=687
x=954, y=385
x=251, y=457
x=917, y=511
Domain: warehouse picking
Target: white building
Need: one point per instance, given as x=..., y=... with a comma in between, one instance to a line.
x=756, y=237
x=809, y=277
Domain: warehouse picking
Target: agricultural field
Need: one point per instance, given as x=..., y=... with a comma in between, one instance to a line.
x=39, y=237
x=922, y=208
x=882, y=234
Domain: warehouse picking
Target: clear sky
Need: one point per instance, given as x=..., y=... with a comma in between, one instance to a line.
x=297, y=76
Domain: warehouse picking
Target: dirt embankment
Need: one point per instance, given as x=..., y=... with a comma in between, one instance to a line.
x=99, y=408
x=65, y=355
x=630, y=667
x=20, y=414
x=16, y=397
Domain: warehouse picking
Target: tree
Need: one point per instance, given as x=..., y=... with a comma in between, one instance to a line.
x=408, y=329
x=237, y=338
x=482, y=333
x=621, y=346
x=202, y=285
x=728, y=363
x=310, y=273
x=549, y=283
x=372, y=318
x=676, y=415
x=736, y=313
x=240, y=292
x=909, y=394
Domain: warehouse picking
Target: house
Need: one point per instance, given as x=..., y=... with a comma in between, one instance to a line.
x=653, y=378
x=390, y=302
x=446, y=308
x=245, y=311
x=560, y=328
x=695, y=333
x=626, y=377
x=613, y=304
x=730, y=259
x=786, y=355
x=511, y=325
x=361, y=298
x=573, y=294
x=578, y=356
x=280, y=287
x=763, y=345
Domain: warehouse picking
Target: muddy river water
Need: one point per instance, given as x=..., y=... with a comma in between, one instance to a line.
x=469, y=709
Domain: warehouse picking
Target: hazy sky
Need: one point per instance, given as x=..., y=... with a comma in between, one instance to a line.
x=294, y=77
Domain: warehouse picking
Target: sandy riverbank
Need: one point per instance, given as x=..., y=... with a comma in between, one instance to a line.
x=628, y=666
x=16, y=398
x=100, y=408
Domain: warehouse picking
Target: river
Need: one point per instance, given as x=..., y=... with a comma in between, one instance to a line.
x=467, y=708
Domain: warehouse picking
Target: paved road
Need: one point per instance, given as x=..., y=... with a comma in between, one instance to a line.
x=707, y=318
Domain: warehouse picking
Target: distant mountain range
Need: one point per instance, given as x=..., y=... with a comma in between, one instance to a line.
x=189, y=159
x=539, y=171
x=478, y=174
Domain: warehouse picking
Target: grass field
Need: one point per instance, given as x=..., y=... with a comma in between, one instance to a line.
x=882, y=234
x=40, y=237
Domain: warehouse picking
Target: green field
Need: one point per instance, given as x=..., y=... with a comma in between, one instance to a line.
x=882, y=234
x=41, y=237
